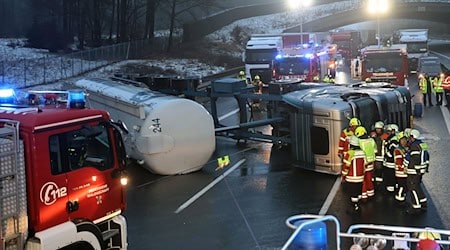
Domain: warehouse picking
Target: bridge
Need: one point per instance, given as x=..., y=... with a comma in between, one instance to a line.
x=323, y=16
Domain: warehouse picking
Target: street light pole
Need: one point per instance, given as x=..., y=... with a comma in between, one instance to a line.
x=378, y=7
x=378, y=30
x=302, y=4
x=301, y=26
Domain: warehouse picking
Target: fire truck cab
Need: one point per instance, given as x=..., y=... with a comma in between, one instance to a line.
x=384, y=64
x=63, y=176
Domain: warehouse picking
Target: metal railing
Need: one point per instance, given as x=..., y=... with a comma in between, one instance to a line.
x=30, y=72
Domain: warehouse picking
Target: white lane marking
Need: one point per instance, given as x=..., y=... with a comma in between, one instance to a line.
x=228, y=114
x=208, y=187
x=326, y=205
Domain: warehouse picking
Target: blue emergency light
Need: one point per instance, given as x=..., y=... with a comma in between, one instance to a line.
x=7, y=95
x=76, y=99
x=309, y=55
x=278, y=57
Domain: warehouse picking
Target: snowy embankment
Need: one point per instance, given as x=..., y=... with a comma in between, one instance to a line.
x=21, y=67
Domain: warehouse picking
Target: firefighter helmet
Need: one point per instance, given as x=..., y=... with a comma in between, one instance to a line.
x=407, y=132
x=415, y=133
x=354, y=141
x=354, y=122
x=379, y=124
x=360, y=131
x=401, y=135
x=393, y=127
x=241, y=73
x=257, y=77
x=368, y=79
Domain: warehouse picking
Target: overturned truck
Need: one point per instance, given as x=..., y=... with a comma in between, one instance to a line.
x=315, y=115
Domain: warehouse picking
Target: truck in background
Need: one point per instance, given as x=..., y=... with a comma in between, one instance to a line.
x=259, y=55
x=416, y=41
x=383, y=64
x=348, y=43
x=62, y=173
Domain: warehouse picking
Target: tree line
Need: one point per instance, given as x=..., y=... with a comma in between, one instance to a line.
x=54, y=24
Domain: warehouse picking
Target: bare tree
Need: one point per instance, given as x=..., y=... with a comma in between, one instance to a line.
x=175, y=8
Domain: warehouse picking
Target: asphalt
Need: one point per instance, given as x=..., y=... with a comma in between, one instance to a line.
x=247, y=209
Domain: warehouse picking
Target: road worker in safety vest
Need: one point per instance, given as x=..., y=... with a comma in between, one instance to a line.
x=438, y=89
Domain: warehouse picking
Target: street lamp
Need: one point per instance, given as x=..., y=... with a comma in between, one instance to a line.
x=378, y=7
x=299, y=4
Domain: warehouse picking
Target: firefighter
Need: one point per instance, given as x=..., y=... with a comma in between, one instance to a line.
x=242, y=76
x=326, y=79
x=437, y=87
x=353, y=173
x=400, y=171
x=446, y=87
x=417, y=161
x=389, y=163
x=258, y=84
x=380, y=137
x=425, y=88
x=316, y=78
x=345, y=136
x=368, y=145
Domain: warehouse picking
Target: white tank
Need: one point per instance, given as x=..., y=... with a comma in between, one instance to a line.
x=171, y=135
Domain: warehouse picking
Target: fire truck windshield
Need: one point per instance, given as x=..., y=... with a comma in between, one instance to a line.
x=293, y=66
x=260, y=55
x=419, y=47
x=385, y=62
x=89, y=146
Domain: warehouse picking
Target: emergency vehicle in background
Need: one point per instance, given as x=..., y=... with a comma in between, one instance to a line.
x=260, y=53
x=384, y=64
x=304, y=61
x=416, y=41
x=348, y=43
x=62, y=174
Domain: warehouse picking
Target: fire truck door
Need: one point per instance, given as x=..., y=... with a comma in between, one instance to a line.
x=92, y=191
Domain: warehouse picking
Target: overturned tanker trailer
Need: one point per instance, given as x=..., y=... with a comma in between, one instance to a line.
x=318, y=114
x=169, y=135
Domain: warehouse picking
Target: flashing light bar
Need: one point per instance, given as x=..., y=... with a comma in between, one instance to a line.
x=7, y=93
x=76, y=99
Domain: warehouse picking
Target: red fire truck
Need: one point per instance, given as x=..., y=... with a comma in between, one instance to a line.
x=348, y=43
x=384, y=64
x=62, y=174
x=304, y=64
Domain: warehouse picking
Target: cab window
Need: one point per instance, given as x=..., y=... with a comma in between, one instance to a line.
x=86, y=147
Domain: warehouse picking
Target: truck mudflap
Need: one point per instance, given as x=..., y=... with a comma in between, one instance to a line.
x=108, y=234
x=323, y=232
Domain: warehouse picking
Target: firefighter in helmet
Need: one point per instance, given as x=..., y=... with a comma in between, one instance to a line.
x=258, y=84
x=380, y=136
x=368, y=145
x=416, y=162
x=389, y=161
x=353, y=173
x=242, y=76
x=345, y=136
